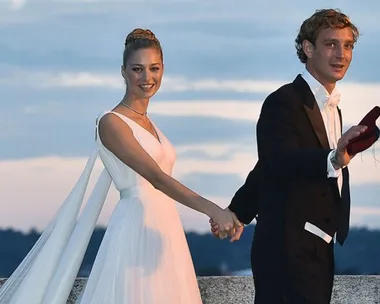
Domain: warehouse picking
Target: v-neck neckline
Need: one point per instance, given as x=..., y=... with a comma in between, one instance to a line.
x=158, y=139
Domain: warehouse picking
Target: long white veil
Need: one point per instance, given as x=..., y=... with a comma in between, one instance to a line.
x=47, y=273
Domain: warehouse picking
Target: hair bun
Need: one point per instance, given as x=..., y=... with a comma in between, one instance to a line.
x=140, y=39
x=140, y=33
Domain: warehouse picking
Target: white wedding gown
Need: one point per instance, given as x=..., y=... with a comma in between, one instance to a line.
x=143, y=258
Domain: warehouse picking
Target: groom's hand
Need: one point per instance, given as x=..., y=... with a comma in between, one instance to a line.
x=342, y=158
x=238, y=232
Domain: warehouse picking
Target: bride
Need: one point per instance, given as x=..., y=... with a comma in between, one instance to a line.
x=144, y=257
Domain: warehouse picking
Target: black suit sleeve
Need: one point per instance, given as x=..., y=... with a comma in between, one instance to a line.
x=279, y=142
x=245, y=201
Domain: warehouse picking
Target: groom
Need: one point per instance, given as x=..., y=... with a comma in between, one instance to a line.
x=299, y=188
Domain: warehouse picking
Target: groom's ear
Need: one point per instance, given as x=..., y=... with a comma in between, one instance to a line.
x=308, y=48
x=367, y=138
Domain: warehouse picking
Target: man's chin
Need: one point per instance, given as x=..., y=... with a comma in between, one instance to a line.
x=337, y=76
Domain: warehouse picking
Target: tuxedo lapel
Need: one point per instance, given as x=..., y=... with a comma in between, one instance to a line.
x=312, y=111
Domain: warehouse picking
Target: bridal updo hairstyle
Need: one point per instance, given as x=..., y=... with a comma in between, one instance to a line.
x=140, y=39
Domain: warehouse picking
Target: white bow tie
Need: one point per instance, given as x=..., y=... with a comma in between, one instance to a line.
x=333, y=100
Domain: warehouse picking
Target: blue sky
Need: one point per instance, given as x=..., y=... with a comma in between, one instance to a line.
x=60, y=67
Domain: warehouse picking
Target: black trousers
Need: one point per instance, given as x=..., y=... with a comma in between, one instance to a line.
x=303, y=274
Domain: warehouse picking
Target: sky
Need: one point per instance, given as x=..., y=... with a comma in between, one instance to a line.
x=60, y=67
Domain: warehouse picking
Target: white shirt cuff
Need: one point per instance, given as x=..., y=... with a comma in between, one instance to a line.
x=331, y=172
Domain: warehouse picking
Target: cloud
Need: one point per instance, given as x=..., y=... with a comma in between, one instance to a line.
x=72, y=134
x=17, y=4
x=198, y=40
x=213, y=184
x=371, y=197
x=45, y=182
x=171, y=84
x=80, y=79
x=354, y=94
x=53, y=128
x=185, y=10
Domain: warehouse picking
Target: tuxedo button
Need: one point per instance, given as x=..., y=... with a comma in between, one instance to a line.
x=327, y=220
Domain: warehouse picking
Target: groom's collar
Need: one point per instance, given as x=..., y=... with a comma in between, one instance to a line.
x=319, y=91
x=308, y=90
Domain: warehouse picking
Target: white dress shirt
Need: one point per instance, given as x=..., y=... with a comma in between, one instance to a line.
x=328, y=106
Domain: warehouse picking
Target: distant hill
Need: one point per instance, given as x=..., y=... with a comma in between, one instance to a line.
x=359, y=255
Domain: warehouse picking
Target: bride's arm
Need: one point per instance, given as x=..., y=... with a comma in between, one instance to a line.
x=117, y=137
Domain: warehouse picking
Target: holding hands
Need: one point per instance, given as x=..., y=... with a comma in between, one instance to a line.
x=225, y=223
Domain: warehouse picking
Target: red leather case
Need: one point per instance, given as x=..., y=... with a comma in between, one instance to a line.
x=369, y=137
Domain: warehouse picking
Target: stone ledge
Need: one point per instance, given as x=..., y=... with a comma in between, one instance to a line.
x=240, y=290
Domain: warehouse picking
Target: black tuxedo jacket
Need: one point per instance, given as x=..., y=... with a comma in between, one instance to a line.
x=289, y=183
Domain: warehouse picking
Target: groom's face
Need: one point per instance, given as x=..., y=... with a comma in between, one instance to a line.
x=331, y=54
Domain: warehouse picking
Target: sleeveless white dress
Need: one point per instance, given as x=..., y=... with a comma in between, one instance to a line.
x=144, y=256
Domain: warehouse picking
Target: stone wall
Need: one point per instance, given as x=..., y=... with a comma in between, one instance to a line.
x=240, y=290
